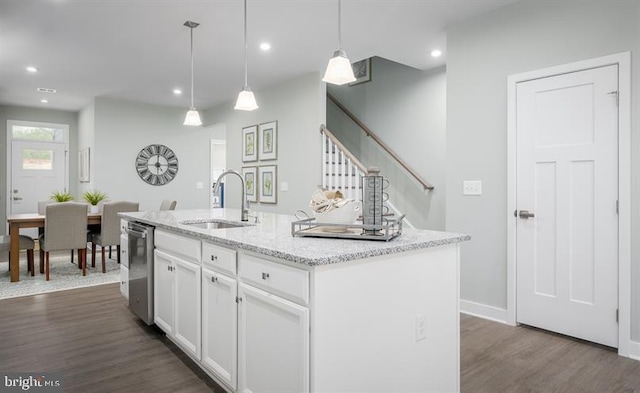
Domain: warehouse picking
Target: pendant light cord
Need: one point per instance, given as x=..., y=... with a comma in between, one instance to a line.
x=246, y=63
x=339, y=26
x=191, y=67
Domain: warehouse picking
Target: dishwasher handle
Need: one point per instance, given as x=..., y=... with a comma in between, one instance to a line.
x=134, y=233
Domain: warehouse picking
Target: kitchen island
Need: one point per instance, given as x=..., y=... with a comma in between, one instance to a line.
x=261, y=310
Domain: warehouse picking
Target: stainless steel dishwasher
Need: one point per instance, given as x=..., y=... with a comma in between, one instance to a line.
x=141, y=270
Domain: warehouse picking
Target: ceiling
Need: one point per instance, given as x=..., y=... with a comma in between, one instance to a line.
x=139, y=49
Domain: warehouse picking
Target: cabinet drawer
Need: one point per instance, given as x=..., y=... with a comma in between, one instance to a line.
x=179, y=245
x=124, y=281
x=218, y=258
x=288, y=282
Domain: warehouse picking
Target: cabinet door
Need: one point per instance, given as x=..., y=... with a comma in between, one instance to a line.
x=124, y=281
x=163, y=291
x=124, y=249
x=187, y=320
x=273, y=343
x=219, y=326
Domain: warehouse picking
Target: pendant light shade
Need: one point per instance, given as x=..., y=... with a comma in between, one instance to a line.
x=246, y=100
x=339, y=70
x=193, y=117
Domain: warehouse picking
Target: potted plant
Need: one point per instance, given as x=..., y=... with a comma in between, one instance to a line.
x=61, y=196
x=94, y=197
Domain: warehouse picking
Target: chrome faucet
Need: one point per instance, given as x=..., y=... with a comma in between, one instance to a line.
x=245, y=203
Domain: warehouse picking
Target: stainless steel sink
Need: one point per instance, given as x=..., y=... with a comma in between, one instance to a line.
x=215, y=224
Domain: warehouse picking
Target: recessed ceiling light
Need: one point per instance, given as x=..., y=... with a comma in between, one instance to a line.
x=32, y=69
x=46, y=90
x=436, y=53
x=177, y=92
x=44, y=101
x=265, y=46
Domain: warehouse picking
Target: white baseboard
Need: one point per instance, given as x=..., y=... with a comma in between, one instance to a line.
x=483, y=311
x=634, y=350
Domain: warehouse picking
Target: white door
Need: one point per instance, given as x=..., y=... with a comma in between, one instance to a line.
x=219, y=326
x=163, y=291
x=187, y=315
x=273, y=343
x=567, y=191
x=37, y=170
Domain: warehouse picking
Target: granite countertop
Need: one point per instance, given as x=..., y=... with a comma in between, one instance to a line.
x=272, y=236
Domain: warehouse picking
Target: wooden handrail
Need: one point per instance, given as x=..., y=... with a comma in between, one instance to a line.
x=356, y=162
x=424, y=183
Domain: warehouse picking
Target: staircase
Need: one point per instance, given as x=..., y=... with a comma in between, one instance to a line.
x=343, y=167
x=342, y=171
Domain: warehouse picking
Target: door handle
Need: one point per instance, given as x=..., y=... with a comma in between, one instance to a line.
x=17, y=198
x=524, y=214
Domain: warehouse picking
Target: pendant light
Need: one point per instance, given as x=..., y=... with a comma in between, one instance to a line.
x=246, y=100
x=193, y=117
x=339, y=70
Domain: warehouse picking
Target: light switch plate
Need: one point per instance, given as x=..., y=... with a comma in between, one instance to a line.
x=199, y=185
x=472, y=187
x=284, y=186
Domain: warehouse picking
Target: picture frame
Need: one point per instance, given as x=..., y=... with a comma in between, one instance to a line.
x=83, y=165
x=268, y=136
x=250, y=143
x=362, y=71
x=250, y=174
x=268, y=183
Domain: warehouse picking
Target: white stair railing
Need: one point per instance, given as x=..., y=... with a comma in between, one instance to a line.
x=342, y=171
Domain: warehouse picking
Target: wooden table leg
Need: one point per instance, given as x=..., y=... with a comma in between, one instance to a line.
x=14, y=250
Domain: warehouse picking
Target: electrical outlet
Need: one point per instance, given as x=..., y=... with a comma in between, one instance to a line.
x=472, y=187
x=421, y=328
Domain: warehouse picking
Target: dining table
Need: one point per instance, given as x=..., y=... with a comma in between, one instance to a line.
x=30, y=220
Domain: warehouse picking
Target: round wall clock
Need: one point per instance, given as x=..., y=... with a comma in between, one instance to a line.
x=157, y=165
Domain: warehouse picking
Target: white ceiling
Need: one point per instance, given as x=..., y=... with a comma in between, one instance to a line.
x=139, y=49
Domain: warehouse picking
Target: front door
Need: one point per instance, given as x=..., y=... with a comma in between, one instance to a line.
x=567, y=191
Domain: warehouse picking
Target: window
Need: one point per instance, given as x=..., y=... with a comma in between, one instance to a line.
x=37, y=159
x=37, y=133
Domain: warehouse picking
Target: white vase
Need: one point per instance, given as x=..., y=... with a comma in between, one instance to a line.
x=94, y=209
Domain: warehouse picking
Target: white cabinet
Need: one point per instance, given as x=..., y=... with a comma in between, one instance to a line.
x=124, y=270
x=163, y=291
x=219, y=325
x=177, y=300
x=273, y=350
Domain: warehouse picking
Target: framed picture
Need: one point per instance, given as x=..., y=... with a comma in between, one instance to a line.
x=250, y=144
x=83, y=165
x=268, y=140
x=250, y=174
x=362, y=71
x=268, y=183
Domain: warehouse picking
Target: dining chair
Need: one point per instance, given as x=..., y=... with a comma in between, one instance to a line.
x=168, y=204
x=26, y=243
x=109, y=234
x=65, y=228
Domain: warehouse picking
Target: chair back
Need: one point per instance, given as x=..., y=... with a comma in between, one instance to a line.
x=42, y=205
x=65, y=226
x=168, y=204
x=110, y=225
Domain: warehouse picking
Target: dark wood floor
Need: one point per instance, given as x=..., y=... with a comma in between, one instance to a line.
x=90, y=337
x=501, y=358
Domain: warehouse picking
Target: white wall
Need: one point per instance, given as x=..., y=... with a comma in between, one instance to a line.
x=482, y=52
x=38, y=115
x=298, y=105
x=86, y=132
x=406, y=108
x=123, y=128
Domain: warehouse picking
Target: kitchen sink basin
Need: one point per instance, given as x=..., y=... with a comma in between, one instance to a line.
x=215, y=224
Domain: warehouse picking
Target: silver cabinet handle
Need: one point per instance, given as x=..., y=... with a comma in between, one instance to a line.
x=265, y=276
x=17, y=198
x=214, y=257
x=524, y=214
